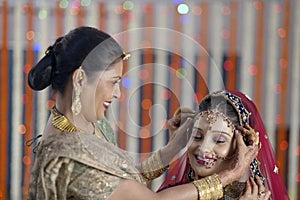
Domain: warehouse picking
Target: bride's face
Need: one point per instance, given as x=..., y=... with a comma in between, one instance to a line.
x=213, y=146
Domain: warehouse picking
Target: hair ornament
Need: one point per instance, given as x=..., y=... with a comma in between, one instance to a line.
x=49, y=50
x=126, y=56
x=236, y=102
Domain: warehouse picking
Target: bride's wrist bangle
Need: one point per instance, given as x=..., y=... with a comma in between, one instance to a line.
x=209, y=187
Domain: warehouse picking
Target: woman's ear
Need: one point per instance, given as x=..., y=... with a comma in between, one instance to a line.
x=79, y=78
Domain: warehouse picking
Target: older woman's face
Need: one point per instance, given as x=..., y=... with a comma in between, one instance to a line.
x=213, y=146
x=107, y=88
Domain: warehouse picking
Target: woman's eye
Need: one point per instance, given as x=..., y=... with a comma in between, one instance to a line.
x=116, y=82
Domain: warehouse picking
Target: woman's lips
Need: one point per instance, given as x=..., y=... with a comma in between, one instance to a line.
x=106, y=104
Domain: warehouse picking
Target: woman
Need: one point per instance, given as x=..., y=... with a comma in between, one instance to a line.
x=213, y=148
x=74, y=160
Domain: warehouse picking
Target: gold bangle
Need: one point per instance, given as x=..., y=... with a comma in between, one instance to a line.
x=209, y=187
x=153, y=167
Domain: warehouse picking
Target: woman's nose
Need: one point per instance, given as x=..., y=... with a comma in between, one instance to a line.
x=117, y=91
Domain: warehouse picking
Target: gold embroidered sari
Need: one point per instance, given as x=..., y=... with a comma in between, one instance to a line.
x=79, y=166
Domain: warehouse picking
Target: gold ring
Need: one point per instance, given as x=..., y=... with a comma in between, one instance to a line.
x=261, y=193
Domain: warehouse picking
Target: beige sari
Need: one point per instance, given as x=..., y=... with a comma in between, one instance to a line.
x=79, y=166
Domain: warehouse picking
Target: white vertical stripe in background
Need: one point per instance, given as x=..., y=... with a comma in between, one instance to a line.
x=294, y=67
x=113, y=18
x=247, y=31
x=216, y=47
x=92, y=14
x=160, y=79
x=42, y=96
x=17, y=85
x=133, y=100
x=188, y=56
x=70, y=20
x=271, y=69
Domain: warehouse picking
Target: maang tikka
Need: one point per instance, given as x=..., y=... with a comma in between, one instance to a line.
x=76, y=104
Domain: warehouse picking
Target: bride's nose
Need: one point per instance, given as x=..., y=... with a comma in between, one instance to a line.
x=206, y=146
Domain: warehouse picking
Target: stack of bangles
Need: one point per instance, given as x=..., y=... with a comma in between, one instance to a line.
x=153, y=167
x=209, y=187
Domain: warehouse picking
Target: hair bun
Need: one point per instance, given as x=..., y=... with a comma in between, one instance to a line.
x=40, y=75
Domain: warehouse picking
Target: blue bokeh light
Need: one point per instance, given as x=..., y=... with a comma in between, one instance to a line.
x=177, y=1
x=127, y=82
x=37, y=47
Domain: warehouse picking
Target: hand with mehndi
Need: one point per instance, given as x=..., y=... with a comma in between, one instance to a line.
x=255, y=189
x=249, y=134
x=243, y=157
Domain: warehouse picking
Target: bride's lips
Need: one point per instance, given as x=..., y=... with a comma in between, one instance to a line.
x=205, y=160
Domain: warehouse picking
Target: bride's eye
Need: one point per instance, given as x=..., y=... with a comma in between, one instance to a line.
x=198, y=135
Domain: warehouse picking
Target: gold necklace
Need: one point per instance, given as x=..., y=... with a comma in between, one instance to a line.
x=62, y=123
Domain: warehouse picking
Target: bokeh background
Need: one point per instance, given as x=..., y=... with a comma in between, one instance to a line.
x=194, y=46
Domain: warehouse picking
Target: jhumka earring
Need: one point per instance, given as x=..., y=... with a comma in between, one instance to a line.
x=76, y=104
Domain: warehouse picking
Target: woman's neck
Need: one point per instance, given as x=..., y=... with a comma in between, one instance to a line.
x=63, y=106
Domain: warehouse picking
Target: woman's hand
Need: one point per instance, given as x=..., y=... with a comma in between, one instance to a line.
x=255, y=190
x=179, y=127
x=179, y=117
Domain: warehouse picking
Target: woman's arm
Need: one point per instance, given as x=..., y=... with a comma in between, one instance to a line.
x=158, y=162
x=131, y=190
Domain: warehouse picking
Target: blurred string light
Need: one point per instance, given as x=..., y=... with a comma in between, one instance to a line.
x=30, y=35
x=177, y=1
x=258, y=5
x=43, y=14
x=127, y=82
x=37, y=47
x=128, y=5
x=75, y=8
x=226, y=10
x=144, y=74
x=228, y=65
x=281, y=32
x=277, y=8
x=197, y=10
x=181, y=73
x=146, y=104
x=253, y=70
x=183, y=9
x=85, y=2
x=165, y=94
x=119, y=10
x=63, y=4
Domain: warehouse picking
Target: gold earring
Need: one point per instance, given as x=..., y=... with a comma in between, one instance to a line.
x=76, y=104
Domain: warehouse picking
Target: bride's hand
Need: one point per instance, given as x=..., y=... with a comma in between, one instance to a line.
x=255, y=189
x=243, y=157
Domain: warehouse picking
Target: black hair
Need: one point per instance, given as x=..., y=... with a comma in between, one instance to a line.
x=80, y=47
x=221, y=104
